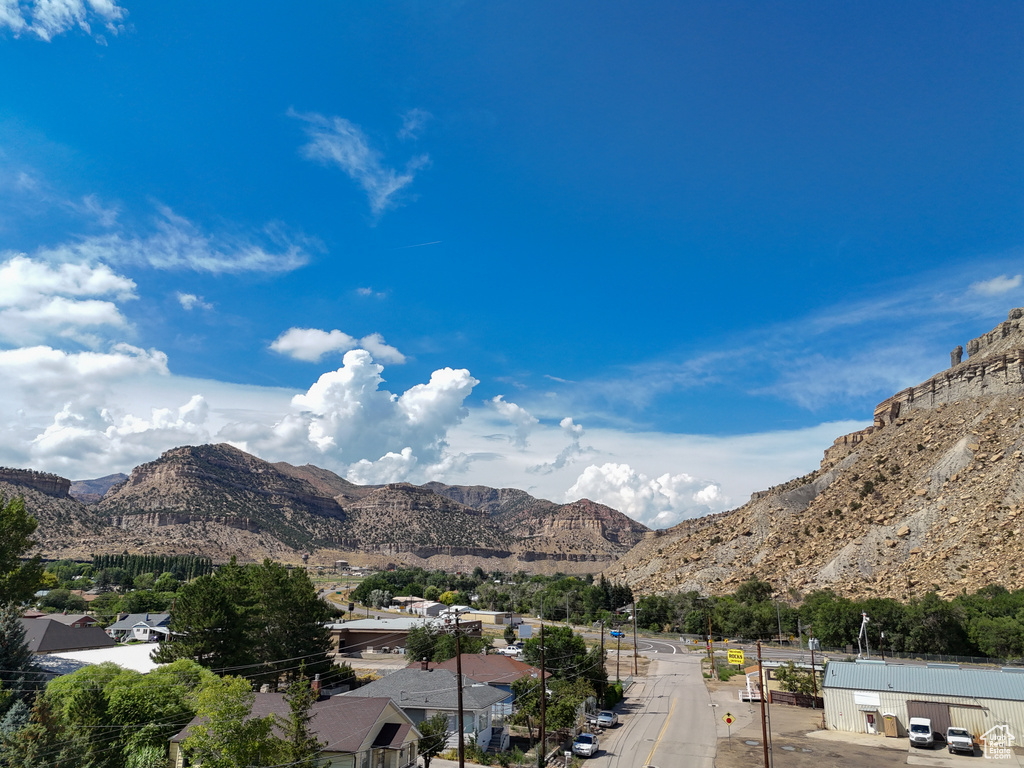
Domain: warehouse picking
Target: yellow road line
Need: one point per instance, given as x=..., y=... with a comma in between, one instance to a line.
x=657, y=741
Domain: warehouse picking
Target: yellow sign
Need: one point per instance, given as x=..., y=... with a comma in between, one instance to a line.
x=728, y=718
x=735, y=656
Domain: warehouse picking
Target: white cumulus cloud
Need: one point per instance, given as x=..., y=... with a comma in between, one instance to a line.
x=347, y=419
x=336, y=141
x=656, y=502
x=190, y=301
x=39, y=301
x=311, y=344
x=520, y=418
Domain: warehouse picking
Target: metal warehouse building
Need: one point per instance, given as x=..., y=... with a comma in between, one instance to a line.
x=877, y=697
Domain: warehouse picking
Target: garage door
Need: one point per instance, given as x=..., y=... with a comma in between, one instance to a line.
x=935, y=711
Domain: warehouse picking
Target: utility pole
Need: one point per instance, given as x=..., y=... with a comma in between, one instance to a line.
x=764, y=724
x=604, y=676
x=618, y=646
x=778, y=616
x=543, y=704
x=458, y=684
x=814, y=674
x=711, y=650
x=635, y=612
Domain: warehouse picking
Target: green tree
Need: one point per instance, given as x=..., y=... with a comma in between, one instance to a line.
x=19, y=579
x=19, y=675
x=434, y=732
x=565, y=653
x=449, y=597
x=227, y=736
x=795, y=680
x=299, y=748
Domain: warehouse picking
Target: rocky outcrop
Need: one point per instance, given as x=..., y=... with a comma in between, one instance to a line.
x=995, y=366
x=931, y=497
x=44, y=482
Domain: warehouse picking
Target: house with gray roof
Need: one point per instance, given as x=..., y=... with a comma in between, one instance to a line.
x=422, y=693
x=355, y=733
x=49, y=636
x=145, y=627
x=877, y=697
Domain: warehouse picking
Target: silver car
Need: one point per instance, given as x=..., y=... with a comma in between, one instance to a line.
x=607, y=718
x=585, y=745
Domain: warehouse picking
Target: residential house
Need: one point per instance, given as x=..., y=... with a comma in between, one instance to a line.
x=355, y=733
x=494, y=669
x=147, y=627
x=385, y=635
x=48, y=636
x=423, y=692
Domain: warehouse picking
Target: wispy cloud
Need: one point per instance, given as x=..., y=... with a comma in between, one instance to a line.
x=413, y=123
x=177, y=243
x=336, y=141
x=46, y=19
x=997, y=286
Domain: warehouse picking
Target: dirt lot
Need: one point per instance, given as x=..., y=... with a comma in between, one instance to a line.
x=792, y=747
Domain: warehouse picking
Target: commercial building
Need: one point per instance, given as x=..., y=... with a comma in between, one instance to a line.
x=878, y=697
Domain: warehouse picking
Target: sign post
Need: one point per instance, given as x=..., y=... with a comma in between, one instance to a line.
x=728, y=722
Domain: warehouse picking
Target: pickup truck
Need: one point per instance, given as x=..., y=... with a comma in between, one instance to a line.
x=959, y=740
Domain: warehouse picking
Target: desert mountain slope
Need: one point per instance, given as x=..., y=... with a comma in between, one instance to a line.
x=219, y=501
x=930, y=497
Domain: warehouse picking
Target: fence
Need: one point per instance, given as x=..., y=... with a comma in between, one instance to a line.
x=795, y=699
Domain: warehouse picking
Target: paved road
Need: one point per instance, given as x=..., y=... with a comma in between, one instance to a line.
x=667, y=720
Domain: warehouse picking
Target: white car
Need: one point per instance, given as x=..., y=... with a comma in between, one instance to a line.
x=585, y=745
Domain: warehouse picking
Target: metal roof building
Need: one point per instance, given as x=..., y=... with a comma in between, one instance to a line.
x=877, y=697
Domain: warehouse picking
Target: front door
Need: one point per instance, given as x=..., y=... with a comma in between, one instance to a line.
x=870, y=722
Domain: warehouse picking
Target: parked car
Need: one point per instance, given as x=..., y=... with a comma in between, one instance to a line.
x=607, y=718
x=617, y=633
x=585, y=745
x=959, y=740
x=920, y=732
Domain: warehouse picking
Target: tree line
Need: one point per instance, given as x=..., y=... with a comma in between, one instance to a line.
x=182, y=567
x=989, y=622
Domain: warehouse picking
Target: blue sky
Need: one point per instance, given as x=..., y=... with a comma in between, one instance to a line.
x=657, y=255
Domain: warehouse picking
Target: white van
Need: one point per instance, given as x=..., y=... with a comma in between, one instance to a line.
x=920, y=732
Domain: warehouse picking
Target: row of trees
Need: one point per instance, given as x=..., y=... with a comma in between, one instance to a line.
x=182, y=567
x=989, y=622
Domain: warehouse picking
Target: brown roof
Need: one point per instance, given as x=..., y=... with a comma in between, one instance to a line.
x=493, y=669
x=340, y=724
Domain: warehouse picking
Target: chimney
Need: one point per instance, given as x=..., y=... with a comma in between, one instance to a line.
x=425, y=665
x=315, y=685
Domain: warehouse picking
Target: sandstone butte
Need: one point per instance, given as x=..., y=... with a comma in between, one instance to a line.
x=927, y=498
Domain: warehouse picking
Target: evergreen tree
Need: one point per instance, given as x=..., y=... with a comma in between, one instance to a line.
x=19, y=676
x=299, y=747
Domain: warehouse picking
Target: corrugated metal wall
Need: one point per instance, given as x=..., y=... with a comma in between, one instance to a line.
x=842, y=713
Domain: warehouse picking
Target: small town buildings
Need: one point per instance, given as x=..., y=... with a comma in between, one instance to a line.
x=429, y=608
x=423, y=692
x=878, y=697
x=499, y=618
x=145, y=627
x=356, y=733
x=45, y=635
x=385, y=635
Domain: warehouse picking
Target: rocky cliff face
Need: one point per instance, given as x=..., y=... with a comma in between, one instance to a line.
x=45, y=483
x=930, y=497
